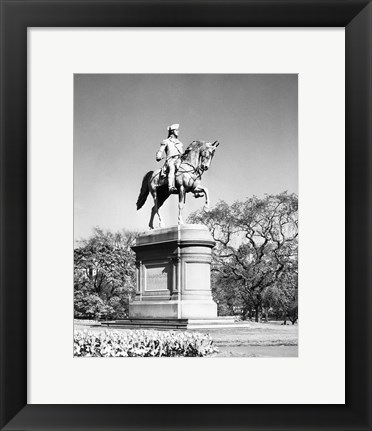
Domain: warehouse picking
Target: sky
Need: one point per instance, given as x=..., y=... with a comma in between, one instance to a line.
x=121, y=119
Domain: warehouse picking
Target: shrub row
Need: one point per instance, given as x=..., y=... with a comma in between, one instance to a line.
x=145, y=343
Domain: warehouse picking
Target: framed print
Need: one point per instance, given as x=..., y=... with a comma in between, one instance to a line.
x=43, y=386
x=102, y=105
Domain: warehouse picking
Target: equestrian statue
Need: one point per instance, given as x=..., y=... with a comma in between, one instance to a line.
x=181, y=173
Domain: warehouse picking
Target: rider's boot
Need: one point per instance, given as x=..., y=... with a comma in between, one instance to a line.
x=171, y=185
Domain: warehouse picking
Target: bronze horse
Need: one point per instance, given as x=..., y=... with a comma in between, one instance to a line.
x=194, y=162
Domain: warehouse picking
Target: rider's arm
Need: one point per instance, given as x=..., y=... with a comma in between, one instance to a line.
x=161, y=149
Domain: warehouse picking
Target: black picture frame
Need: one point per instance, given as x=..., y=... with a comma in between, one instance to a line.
x=16, y=17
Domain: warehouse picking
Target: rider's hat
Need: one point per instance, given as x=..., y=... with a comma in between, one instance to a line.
x=173, y=127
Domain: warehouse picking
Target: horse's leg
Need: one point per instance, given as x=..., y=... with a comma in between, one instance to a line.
x=204, y=190
x=181, y=202
x=151, y=222
x=161, y=224
x=155, y=210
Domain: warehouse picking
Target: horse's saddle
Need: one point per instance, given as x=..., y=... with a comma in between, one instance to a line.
x=165, y=169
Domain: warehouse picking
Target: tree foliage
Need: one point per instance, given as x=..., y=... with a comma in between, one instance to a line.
x=104, y=275
x=256, y=253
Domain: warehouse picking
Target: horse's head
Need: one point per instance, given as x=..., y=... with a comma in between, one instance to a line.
x=206, y=154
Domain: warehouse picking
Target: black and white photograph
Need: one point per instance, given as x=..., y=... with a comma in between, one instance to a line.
x=185, y=215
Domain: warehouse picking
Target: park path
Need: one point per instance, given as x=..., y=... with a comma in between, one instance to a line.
x=256, y=351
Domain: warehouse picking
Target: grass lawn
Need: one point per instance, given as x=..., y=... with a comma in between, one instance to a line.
x=258, y=340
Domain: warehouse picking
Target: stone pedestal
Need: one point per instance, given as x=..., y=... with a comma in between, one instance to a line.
x=173, y=274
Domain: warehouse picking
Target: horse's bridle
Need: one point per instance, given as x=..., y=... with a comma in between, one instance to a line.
x=198, y=170
x=193, y=170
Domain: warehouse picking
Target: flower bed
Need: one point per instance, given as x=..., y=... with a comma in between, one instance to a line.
x=145, y=343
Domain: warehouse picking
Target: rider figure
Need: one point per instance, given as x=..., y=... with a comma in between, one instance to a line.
x=173, y=150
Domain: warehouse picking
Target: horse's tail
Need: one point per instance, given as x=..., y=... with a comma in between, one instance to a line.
x=144, y=190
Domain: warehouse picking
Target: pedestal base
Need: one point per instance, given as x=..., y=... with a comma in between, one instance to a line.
x=173, y=324
x=173, y=274
x=183, y=309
